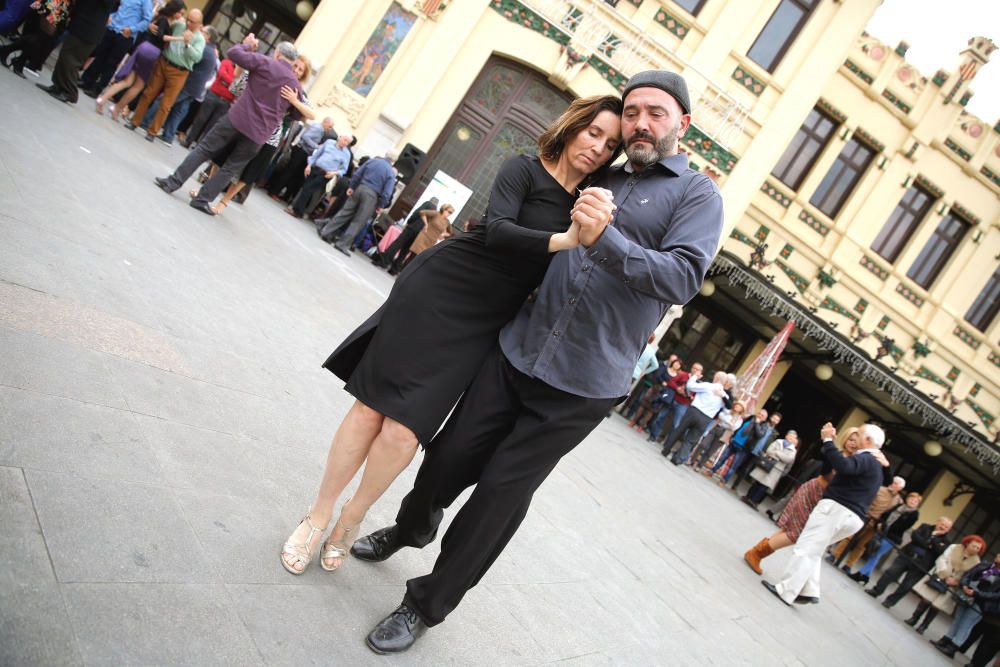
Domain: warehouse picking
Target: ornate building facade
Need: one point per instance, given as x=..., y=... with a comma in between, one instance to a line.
x=862, y=201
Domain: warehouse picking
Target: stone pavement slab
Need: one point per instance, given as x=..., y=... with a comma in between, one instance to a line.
x=164, y=420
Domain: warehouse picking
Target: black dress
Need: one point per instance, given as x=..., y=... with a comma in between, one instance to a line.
x=414, y=357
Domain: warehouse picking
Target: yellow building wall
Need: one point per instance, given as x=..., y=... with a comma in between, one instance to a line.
x=933, y=507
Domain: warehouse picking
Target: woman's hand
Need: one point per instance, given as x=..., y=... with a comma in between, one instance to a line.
x=593, y=212
x=880, y=457
x=289, y=94
x=565, y=240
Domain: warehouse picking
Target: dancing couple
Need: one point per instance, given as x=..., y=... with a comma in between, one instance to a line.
x=534, y=377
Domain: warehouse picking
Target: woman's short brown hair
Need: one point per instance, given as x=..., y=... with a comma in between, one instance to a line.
x=577, y=117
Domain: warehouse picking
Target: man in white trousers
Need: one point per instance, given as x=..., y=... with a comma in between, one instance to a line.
x=839, y=514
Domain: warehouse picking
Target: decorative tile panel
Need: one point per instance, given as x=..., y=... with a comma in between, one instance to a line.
x=762, y=233
x=825, y=279
x=787, y=251
x=742, y=238
x=981, y=412
x=869, y=139
x=967, y=338
x=957, y=150
x=831, y=304
x=909, y=295
x=671, y=23
x=749, y=81
x=939, y=78
x=995, y=359
x=989, y=174
x=954, y=373
x=610, y=74
x=884, y=322
x=517, y=13
x=976, y=388
x=716, y=154
x=965, y=213
x=801, y=284
x=964, y=100
x=858, y=72
x=896, y=102
x=920, y=350
x=832, y=110
x=813, y=222
x=926, y=184
x=775, y=194
x=928, y=374
x=861, y=307
x=874, y=267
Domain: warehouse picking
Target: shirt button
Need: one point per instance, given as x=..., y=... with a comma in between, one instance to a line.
x=572, y=300
x=555, y=333
x=604, y=260
x=627, y=281
x=586, y=267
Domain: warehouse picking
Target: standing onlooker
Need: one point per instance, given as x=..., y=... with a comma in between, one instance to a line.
x=128, y=22
x=45, y=23
x=215, y=105
x=328, y=161
x=782, y=452
x=193, y=91
x=914, y=560
x=272, y=88
x=438, y=227
x=738, y=445
x=980, y=588
x=887, y=498
x=396, y=252
x=756, y=444
x=369, y=192
x=680, y=404
x=892, y=526
x=291, y=177
x=937, y=590
x=12, y=14
x=709, y=399
x=838, y=514
x=646, y=363
x=728, y=424
x=170, y=73
x=86, y=25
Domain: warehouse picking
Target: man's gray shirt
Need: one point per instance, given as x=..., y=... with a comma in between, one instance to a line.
x=597, y=306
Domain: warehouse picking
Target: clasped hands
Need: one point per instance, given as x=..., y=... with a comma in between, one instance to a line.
x=591, y=213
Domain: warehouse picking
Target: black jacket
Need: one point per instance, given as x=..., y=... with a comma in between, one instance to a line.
x=987, y=589
x=89, y=19
x=924, y=547
x=902, y=524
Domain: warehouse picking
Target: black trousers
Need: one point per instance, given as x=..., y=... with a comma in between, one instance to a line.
x=402, y=246
x=291, y=177
x=33, y=46
x=689, y=430
x=745, y=467
x=108, y=53
x=316, y=180
x=988, y=647
x=222, y=135
x=211, y=110
x=902, y=566
x=66, y=73
x=506, y=435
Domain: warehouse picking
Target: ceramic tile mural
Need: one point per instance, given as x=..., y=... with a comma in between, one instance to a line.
x=378, y=51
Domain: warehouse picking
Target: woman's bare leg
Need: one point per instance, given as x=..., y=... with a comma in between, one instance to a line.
x=113, y=89
x=231, y=192
x=389, y=455
x=133, y=92
x=348, y=451
x=779, y=540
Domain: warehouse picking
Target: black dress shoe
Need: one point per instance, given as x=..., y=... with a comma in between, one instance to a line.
x=806, y=599
x=343, y=250
x=769, y=586
x=377, y=546
x=163, y=184
x=90, y=92
x=872, y=592
x=49, y=89
x=204, y=207
x=396, y=632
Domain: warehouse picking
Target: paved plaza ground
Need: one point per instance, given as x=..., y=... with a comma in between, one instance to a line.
x=163, y=424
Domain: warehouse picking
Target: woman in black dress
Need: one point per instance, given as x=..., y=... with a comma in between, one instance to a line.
x=409, y=362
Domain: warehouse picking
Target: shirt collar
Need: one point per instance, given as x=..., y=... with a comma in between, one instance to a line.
x=676, y=164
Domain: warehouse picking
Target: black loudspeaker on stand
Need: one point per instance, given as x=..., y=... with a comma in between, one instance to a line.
x=409, y=161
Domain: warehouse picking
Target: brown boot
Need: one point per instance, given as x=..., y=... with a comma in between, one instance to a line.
x=759, y=552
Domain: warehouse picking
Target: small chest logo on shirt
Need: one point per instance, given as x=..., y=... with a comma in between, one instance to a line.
x=643, y=201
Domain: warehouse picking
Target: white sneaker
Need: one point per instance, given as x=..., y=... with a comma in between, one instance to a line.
x=28, y=70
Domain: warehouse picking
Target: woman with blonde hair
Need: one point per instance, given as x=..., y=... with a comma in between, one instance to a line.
x=793, y=519
x=450, y=303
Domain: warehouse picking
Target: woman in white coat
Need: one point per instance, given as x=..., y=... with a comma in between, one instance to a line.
x=936, y=590
x=782, y=452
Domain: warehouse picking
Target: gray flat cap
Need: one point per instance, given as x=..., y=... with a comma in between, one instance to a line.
x=669, y=82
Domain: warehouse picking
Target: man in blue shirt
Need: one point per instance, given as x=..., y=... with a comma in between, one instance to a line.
x=370, y=191
x=285, y=182
x=131, y=19
x=329, y=160
x=563, y=361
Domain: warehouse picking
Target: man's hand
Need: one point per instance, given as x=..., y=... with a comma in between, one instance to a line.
x=350, y=192
x=308, y=169
x=330, y=174
x=967, y=590
x=187, y=36
x=378, y=210
x=126, y=32
x=593, y=211
x=152, y=28
x=250, y=41
x=828, y=432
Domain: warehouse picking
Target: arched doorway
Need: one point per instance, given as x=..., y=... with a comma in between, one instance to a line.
x=503, y=113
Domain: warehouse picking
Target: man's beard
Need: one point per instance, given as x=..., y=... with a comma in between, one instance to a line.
x=665, y=146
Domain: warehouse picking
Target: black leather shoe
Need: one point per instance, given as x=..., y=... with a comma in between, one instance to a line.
x=860, y=578
x=343, y=250
x=806, y=599
x=769, y=586
x=204, y=207
x=396, y=632
x=872, y=592
x=377, y=546
x=887, y=604
x=48, y=89
x=945, y=646
x=163, y=184
x=90, y=92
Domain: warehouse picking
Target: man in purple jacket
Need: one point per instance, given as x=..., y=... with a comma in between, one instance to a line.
x=271, y=89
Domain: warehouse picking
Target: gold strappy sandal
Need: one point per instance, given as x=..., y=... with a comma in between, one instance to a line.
x=300, y=553
x=341, y=548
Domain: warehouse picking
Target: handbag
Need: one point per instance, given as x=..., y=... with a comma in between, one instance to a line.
x=766, y=463
x=937, y=583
